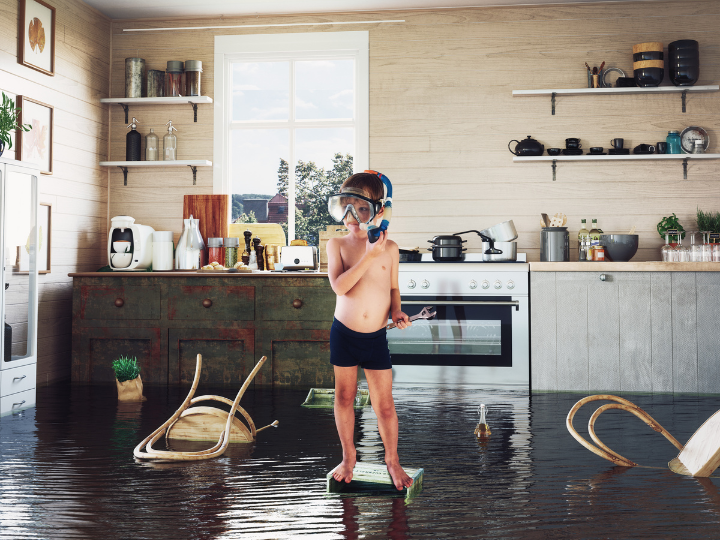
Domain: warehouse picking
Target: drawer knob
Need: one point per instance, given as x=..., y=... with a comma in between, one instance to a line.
x=207, y=303
x=603, y=277
x=297, y=303
x=119, y=302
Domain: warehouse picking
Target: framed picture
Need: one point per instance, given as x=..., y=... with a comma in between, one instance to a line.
x=37, y=36
x=35, y=146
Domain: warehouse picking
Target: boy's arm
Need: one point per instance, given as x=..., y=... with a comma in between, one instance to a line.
x=396, y=313
x=342, y=280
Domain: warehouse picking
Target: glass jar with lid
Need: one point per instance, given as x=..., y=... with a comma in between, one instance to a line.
x=216, y=253
x=673, y=142
x=231, y=251
x=174, y=80
x=193, y=73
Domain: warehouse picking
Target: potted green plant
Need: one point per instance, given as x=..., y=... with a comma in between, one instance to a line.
x=708, y=221
x=127, y=377
x=9, y=122
x=669, y=223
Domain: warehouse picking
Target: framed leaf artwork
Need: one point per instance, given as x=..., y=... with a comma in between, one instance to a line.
x=35, y=146
x=37, y=36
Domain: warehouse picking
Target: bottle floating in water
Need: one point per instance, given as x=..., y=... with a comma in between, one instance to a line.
x=482, y=430
x=358, y=397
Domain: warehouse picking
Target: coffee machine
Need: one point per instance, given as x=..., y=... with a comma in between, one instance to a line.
x=130, y=246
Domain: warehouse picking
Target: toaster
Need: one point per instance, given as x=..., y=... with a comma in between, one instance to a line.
x=299, y=258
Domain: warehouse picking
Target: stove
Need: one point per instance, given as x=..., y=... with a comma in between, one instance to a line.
x=481, y=334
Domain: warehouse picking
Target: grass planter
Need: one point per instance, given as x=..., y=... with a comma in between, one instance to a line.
x=128, y=380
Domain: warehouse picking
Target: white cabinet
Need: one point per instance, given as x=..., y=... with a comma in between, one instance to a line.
x=19, y=248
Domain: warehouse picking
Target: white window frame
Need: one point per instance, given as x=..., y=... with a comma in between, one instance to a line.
x=276, y=47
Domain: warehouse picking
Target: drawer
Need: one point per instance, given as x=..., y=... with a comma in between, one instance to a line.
x=211, y=303
x=17, y=402
x=120, y=303
x=18, y=379
x=297, y=304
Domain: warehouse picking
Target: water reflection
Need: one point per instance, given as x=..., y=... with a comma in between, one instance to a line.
x=68, y=472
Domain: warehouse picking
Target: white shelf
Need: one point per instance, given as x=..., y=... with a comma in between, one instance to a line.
x=590, y=157
x=159, y=100
x=192, y=163
x=176, y=163
x=632, y=90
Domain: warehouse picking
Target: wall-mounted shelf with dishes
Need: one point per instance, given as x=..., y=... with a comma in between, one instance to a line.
x=126, y=102
x=634, y=157
x=192, y=163
x=683, y=90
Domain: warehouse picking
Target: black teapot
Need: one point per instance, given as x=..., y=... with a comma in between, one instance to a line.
x=527, y=147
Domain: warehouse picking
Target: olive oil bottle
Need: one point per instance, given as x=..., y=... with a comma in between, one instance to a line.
x=583, y=235
x=595, y=233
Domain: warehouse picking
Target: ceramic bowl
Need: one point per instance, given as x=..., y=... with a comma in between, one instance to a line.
x=684, y=76
x=121, y=260
x=647, y=77
x=553, y=151
x=619, y=247
x=648, y=55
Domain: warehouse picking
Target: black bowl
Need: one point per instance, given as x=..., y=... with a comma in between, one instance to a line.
x=553, y=151
x=682, y=44
x=648, y=55
x=647, y=77
x=684, y=55
x=685, y=76
x=619, y=247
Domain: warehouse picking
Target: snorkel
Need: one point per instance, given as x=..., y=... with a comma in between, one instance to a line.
x=374, y=231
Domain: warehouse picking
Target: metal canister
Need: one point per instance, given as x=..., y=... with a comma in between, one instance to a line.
x=193, y=74
x=134, y=73
x=231, y=251
x=554, y=244
x=155, y=83
x=174, y=82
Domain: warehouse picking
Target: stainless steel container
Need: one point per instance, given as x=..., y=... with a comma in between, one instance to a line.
x=509, y=251
x=502, y=232
x=155, y=83
x=134, y=74
x=554, y=244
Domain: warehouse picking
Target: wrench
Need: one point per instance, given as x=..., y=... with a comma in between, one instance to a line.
x=425, y=313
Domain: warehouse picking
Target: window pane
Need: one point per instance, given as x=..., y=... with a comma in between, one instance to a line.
x=256, y=159
x=324, y=161
x=261, y=91
x=324, y=89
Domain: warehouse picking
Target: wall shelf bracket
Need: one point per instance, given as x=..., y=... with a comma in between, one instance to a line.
x=194, y=106
x=554, y=167
x=194, y=171
x=125, y=108
x=124, y=170
x=684, y=95
x=685, y=168
x=552, y=100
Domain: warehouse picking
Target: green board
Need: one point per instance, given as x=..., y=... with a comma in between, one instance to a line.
x=324, y=398
x=367, y=474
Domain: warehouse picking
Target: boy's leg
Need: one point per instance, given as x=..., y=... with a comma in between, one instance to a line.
x=380, y=386
x=345, y=391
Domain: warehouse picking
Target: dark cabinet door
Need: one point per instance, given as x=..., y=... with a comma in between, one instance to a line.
x=297, y=303
x=228, y=355
x=296, y=358
x=120, y=302
x=211, y=302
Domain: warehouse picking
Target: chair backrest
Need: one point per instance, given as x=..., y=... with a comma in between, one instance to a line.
x=701, y=454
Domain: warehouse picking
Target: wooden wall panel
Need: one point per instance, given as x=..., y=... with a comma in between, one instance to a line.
x=77, y=189
x=442, y=113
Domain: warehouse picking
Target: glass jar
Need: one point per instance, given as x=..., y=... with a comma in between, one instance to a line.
x=598, y=253
x=715, y=252
x=231, y=251
x=193, y=73
x=668, y=250
x=216, y=253
x=673, y=142
x=174, y=82
x=682, y=253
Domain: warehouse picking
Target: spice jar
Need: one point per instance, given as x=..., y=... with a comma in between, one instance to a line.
x=193, y=73
x=174, y=84
x=216, y=253
x=598, y=253
x=231, y=251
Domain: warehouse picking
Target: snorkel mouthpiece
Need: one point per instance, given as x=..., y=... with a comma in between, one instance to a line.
x=374, y=231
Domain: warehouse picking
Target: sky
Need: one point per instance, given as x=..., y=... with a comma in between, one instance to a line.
x=261, y=93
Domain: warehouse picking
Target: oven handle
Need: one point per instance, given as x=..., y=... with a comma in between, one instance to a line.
x=466, y=303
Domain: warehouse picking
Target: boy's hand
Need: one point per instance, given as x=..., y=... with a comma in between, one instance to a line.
x=378, y=248
x=401, y=320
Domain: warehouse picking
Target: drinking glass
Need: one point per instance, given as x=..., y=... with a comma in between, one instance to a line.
x=715, y=252
x=706, y=247
x=682, y=253
x=695, y=249
x=668, y=251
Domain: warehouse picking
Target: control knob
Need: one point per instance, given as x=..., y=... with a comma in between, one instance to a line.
x=510, y=285
x=485, y=284
x=425, y=284
x=498, y=285
x=473, y=284
x=411, y=284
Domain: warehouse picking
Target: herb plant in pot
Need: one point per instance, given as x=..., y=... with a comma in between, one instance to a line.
x=127, y=378
x=669, y=223
x=9, y=122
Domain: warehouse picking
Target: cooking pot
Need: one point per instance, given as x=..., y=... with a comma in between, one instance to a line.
x=502, y=232
x=527, y=147
x=447, y=253
x=410, y=255
x=447, y=240
x=508, y=251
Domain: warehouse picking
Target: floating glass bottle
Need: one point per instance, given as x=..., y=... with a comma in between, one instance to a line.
x=482, y=430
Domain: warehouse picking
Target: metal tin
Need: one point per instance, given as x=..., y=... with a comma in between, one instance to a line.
x=155, y=83
x=134, y=73
x=502, y=232
x=554, y=244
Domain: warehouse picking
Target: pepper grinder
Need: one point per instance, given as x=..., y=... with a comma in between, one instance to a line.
x=246, y=254
x=259, y=253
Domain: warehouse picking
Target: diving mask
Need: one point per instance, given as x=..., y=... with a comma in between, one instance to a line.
x=352, y=200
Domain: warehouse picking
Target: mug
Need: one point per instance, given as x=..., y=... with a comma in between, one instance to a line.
x=573, y=142
x=617, y=143
x=661, y=147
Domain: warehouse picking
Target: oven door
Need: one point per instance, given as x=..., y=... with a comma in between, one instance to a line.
x=471, y=340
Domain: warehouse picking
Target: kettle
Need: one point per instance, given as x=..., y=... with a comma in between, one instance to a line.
x=527, y=147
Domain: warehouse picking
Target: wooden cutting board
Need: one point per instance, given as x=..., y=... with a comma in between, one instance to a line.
x=212, y=211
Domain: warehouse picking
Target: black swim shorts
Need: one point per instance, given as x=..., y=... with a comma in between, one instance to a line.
x=349, y=348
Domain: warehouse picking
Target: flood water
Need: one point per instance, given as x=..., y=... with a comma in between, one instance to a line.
x=67, y=471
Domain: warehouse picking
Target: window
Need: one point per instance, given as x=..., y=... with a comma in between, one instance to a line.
x=291, y=116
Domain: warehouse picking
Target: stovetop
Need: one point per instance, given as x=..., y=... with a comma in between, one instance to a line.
x=467, y=258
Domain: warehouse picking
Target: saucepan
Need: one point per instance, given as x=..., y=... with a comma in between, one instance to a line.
x=502, y=232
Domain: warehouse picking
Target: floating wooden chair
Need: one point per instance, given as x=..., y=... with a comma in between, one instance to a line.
x=699, y=457
x=203, y=424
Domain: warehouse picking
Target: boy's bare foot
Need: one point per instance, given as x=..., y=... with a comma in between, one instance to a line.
x=344, y=471
x=399, y=476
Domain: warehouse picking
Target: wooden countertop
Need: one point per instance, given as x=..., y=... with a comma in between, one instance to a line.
x=630, y=266
x=191, y=273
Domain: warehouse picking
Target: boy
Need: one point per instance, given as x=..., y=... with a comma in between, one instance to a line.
x=364, y=276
